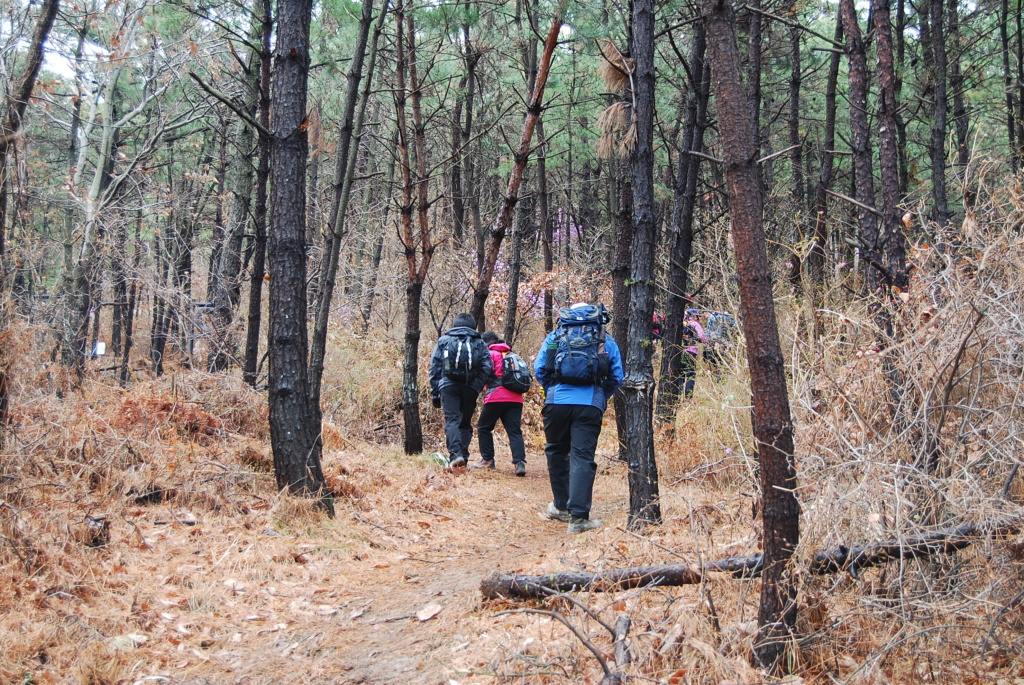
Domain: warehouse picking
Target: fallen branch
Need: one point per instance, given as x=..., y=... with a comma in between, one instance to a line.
x=842, y=558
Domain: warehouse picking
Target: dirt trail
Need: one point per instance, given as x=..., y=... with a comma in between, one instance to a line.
x=388, y=644
x=386, y=593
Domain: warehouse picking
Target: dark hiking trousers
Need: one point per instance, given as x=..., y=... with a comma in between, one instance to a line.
x=511, y=415
x=689, y=372
x=572, y=431
x=458, y=402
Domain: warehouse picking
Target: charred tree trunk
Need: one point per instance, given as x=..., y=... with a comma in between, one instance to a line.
x=1004, y=41
x=259, y=244
x=796, y=153
x=863, y=168
x=816, y=250
x=940, y=105
x=670, y=387
x=638, y=386
x=892, y=227
x=771, y=421
x=294, y=419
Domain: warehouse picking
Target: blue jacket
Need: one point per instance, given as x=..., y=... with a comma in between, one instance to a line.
x=592, y=395
x=437, y=378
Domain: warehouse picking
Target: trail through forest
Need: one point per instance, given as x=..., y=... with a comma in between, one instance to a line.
x=386, y=592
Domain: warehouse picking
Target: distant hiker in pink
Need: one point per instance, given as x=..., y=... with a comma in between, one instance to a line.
x=693, y=333
x=503, y=399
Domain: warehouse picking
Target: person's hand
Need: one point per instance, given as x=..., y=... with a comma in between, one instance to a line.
x=436, y=401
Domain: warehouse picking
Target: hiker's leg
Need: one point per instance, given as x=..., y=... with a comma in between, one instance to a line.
x=586, y=428
x=557, y=430
x=468, y=396
x=451, y=404
x=689, y=373
x=512, y=420
x=485, y=427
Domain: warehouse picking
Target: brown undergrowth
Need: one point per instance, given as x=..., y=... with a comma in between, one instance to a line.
x=141, y=539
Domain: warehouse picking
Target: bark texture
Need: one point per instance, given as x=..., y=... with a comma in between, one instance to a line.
x=771, y=421
x=294, y=420
x=638, y=387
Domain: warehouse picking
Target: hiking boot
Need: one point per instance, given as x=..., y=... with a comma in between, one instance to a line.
x=558, y=514
x=483, y=464
x=578, y=525
x=457, y=462
x=520, y=468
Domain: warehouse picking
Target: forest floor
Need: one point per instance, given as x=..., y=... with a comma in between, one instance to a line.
x=218, y=580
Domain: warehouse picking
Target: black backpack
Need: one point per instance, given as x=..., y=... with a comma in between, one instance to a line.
x=460, y=362
x=576, y=355
x=515, y=374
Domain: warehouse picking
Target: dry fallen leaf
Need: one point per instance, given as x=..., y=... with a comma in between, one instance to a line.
x=428, y=612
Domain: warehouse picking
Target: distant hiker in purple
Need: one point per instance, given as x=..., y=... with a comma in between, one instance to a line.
x=504, y=403
x=459, y=368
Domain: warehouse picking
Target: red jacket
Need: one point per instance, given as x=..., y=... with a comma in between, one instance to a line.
x=498, y=393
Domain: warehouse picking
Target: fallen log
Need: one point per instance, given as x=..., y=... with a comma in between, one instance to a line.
x=842, y=558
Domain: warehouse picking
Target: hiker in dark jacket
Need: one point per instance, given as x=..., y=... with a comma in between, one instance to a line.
x=500, y=403
x=459, y=368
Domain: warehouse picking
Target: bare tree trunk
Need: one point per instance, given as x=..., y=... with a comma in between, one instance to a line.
x=892, y=226
x=816, y=251
x=370, y=290
x=796, y=153
x=294, y=420
x=350, y=132
x=524, y=215
x=546, y=237
x=504, y=218
x=670, y=387
x=863, y=169
x=129, y=315
x=771, y=421
x=638, y=386
x=940, y=105
x=960, y=117
x=461, y=134
x=1004, y=41
x=18, y=102
x=621, y=261
x=259, y=243
x=416, y=239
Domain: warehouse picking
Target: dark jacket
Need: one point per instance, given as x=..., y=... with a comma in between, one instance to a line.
x=437, y=378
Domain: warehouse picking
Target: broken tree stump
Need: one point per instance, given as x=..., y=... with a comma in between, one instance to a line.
x=842, y=558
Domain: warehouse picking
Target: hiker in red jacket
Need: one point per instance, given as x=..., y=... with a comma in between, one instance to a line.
x=500, y=403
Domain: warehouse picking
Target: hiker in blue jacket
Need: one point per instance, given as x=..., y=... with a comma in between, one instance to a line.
x=579, y=367
x=459, y=368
